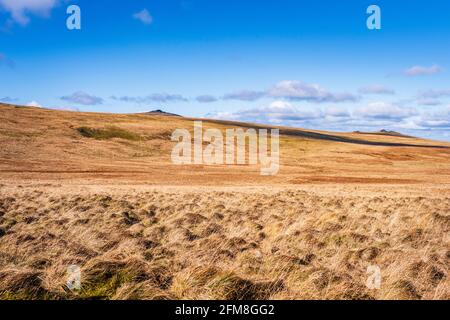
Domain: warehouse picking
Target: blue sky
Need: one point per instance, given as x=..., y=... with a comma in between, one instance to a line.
x=311, y=64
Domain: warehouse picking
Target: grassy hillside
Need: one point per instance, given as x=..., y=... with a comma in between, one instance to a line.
x=80, y=147
x=99, y=191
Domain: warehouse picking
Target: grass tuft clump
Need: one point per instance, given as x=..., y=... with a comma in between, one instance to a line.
x=112, y=279
x=23, y=285
x=210, y=283
x=108, y=133
x=103, y=278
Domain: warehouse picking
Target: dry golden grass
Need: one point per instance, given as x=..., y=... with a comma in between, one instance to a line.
x=142, y=228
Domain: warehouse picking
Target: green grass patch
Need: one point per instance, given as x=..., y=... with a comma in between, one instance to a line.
x=108, y=133
x=105, y=287
x=24, y=294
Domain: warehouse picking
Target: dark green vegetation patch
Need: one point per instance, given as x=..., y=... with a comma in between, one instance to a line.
x=108, y=133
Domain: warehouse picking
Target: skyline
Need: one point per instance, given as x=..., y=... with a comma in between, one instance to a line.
x=310, y=65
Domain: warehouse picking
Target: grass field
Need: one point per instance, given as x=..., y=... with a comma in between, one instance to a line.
x=100, y=191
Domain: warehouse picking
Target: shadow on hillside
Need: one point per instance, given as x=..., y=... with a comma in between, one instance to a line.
x=323, y=136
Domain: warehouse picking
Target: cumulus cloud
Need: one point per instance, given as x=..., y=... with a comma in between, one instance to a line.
x=206, y=98
x=438, y=119
x=285, y=111
x=277, y=112
x=336, y=112
x=165, y=97
x=156, y=97
x=372, y=117
x=34, y=104
x=376, y=89
x=432, y=97
x=143, y=16
x=434, y=123
x=421, y=70
x=244, y=95
x=20, y=9
x=296, y=90
x=38, y=105
x=63, y=108
x=434, y=94
x=83, y=98
x=428, y=102
x=290, y=90
x=384, y=111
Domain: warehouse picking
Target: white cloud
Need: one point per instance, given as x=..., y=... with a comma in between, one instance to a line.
x=64, y=108
x=19, y=9
x=433, y=94
x=244, y=95
x=155, y=97
x=428, y=102
x=376, y=89
x=206, y=98
x=336, y=112
x=437, y=119
x=285, y=112
x=144, y=16
x=373, y=117
x=222, y=115
x=277, y=112
x=434, y=123
x=282, y=110
x=421, y=70
x=34, y=104
x=384, y=111
x=432, y=97
x=289, y=90
x=83, y=98
x=296, y=90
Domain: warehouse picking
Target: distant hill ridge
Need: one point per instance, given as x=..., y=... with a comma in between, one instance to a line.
x=162, y=113
x=386, y=133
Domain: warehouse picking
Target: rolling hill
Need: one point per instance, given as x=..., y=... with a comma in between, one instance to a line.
x=51, y=145
x=99, y=191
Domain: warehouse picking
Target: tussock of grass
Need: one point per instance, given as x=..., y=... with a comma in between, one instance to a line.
x=211, y=283
x=23, y=284
x=108, y=133
x=105, y=287
x=103, y=278
x=142, y=291
x=118, y=279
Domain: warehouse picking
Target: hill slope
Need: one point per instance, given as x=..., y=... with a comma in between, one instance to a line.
x=59, y=145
